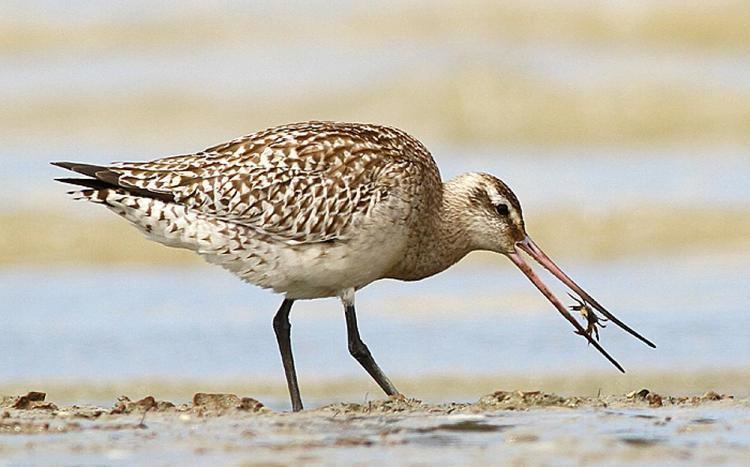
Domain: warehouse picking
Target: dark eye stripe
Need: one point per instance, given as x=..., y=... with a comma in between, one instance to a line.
x=502, y=209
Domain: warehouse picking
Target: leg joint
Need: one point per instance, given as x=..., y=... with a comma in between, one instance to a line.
x=359, y=350
x=281, y=323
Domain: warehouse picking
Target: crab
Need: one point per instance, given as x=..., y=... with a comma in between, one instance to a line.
x=592, y=319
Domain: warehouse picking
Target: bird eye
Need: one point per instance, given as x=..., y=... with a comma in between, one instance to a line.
x=502, y=209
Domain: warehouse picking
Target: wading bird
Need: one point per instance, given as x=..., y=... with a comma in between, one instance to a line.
x=322, y=209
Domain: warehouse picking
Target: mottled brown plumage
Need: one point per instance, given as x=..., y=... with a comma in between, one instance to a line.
x=319, y=209
x=300, y=183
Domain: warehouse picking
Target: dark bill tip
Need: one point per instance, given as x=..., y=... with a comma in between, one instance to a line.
x=533, y=250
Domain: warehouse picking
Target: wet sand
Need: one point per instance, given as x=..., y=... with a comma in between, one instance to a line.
x=530, y=427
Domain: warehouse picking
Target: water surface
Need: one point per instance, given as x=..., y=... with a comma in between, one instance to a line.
x=204, y=323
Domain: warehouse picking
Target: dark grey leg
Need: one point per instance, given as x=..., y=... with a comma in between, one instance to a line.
x=362, y=354
x=282, y=328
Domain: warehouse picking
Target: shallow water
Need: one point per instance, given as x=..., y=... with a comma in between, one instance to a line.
x=203, y=323
x=714, y=433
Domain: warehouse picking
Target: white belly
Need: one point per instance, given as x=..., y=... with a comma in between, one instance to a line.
x=315, y=270
x=323, y=270
x=311, y=270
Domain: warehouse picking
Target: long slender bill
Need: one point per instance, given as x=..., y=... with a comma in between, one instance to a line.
x=526, y=269
x=535, y=252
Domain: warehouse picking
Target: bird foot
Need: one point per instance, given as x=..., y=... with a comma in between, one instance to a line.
x=593, y=321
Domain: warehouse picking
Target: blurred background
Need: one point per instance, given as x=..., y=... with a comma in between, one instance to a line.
x=623, y=127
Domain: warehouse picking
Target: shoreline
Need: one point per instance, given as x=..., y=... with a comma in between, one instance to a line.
x=501, y=428
x=430, y=388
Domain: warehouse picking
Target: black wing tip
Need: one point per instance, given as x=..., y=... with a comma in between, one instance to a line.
x=89, y=170
x=103, y=177
x=63, y=164
x=85, y=182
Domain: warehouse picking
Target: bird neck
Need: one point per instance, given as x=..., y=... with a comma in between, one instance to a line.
x=441, y=239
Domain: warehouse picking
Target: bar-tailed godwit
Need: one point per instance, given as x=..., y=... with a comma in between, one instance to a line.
x=322, y=209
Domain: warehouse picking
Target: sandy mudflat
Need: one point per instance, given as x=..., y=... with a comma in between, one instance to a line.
x=502, y=427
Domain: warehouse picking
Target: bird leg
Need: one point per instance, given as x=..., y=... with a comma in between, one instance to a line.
x=282, y=328
x=362, y=354
x=592, y=319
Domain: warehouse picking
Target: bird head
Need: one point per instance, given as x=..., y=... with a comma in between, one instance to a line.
x=490, y=212
x=495, y=223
